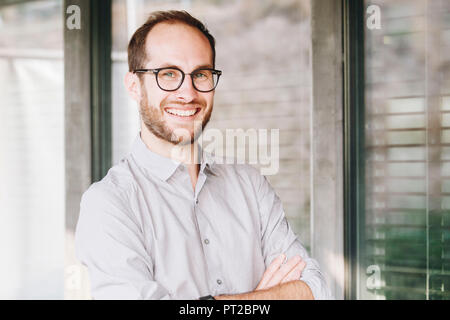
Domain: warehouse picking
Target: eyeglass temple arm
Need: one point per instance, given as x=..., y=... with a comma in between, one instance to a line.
x=145, y=70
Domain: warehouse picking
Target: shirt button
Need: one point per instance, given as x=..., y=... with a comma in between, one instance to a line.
x=206, y=241
x=196, y=201
x=219, y=281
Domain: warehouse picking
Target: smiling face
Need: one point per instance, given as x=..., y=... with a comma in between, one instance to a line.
x=178, y=116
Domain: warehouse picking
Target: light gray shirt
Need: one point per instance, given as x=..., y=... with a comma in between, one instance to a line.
x=143, y=232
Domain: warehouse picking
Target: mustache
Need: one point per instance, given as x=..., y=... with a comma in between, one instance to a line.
x=195, y=103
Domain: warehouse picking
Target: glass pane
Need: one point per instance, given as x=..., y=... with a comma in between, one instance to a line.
x=404, y=248
x=275, y=94
x=32, y=150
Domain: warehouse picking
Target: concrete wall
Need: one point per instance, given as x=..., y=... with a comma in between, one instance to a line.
x=77, y=141
x=327, y=227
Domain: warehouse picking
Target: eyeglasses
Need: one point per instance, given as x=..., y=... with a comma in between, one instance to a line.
x=171, y=79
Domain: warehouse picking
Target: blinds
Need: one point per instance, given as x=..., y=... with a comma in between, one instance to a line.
x=405, y=231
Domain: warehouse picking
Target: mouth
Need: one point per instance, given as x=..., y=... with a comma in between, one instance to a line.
x=182, y=113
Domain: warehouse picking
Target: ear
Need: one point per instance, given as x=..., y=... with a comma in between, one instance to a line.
x=133, y=86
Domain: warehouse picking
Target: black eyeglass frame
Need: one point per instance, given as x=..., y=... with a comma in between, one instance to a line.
x=183, y=75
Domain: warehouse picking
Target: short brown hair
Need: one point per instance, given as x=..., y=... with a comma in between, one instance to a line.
x=136, y=47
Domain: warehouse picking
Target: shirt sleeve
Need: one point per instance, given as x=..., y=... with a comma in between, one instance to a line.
x=278, y=237
x=109, y=242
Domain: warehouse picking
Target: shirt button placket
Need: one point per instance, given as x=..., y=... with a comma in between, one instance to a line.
x=206, y=241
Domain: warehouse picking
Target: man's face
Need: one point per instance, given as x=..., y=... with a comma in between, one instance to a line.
x=182, y=46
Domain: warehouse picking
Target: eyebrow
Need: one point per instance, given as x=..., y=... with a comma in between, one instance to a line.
x=169, y=65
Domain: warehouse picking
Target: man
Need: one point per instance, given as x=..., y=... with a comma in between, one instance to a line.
x=181, y=225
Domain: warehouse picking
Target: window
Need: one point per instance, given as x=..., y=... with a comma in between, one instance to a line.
x=404, y=233
x=32, y=150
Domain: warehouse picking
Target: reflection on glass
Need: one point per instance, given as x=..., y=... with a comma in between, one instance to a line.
x=404, y=247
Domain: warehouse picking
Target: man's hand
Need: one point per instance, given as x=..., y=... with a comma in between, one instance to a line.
x=279, y=282
x=278, y=273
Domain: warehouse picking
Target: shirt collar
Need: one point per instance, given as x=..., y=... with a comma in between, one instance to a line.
x=161, y=166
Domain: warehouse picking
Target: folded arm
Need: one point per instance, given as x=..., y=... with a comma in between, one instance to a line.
x=278, y=237
x=279, y=282
x=292, y=290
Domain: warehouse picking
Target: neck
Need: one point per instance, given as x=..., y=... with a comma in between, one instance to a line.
x=186, y=154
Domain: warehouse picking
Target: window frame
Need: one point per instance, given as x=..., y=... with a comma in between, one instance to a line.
x=87, y=108
x=354, y=137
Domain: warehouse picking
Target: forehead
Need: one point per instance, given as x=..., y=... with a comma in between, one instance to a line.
x=179, y=44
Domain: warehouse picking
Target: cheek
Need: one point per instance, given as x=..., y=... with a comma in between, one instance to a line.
x=153, y=94
x=155, y=98
x=209, y=99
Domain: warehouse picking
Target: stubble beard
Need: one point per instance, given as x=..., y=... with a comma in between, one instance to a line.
x=153, y=119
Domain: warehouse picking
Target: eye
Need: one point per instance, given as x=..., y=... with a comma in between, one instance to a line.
x=201, y=75
x=168, y=74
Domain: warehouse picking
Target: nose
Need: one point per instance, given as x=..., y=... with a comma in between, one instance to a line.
x=186, y=92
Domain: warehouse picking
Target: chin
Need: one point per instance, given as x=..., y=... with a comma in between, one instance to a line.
x=182, y=139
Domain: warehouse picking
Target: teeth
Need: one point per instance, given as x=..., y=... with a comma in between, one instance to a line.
x=182, y=113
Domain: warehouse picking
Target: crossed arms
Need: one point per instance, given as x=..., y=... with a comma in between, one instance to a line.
x=110, y=242
x=279, y=282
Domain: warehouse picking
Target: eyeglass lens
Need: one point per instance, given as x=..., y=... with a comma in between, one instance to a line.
x=171, y=79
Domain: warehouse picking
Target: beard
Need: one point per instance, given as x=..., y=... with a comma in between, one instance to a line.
x=153, y=118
